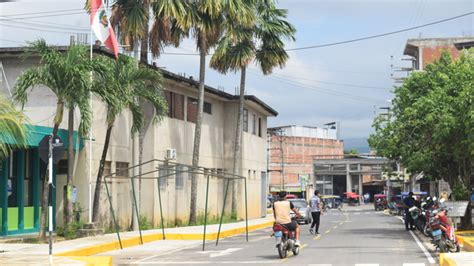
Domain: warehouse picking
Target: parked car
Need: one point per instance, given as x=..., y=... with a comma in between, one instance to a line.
x=303, y=209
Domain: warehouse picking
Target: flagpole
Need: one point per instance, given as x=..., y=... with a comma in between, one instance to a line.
x=90, y=137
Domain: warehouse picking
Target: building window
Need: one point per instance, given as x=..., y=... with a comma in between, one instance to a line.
x=175, y=103
x=163, y=176
x=246, y=120
x=260, y=127
x=107, y=168
x=192, y=110
x=254, y=124
x=121, y=168
x=180, y=176
x=207, y=108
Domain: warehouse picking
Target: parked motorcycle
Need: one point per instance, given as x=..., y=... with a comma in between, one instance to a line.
x=285, y=241
x=442, y=231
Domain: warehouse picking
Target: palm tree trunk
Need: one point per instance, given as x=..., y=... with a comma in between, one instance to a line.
x=197, y=132
x=98, y=181
x=144, y=40
x=70, y=167
x=238, y=140
x=44, y=198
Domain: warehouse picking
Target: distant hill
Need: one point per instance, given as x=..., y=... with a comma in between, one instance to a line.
x=360, y=144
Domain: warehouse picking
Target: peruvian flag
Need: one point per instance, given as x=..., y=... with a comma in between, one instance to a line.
x=101, y=26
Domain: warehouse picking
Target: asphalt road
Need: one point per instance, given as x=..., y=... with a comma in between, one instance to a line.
x=355, y=236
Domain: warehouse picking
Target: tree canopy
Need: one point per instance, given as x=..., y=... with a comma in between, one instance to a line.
x=430, y=128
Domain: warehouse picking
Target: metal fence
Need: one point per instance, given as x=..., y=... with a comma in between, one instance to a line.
x=166, y=169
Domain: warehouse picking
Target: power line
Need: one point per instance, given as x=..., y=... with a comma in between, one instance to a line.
x=361, y=38
x=380, y=35
x=44, y=24
x=43, y=12
x=37, y=29
x=332, y=83
x=328, y=91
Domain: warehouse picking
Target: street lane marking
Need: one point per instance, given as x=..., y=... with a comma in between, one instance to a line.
x=290, y=254
x=356, y=212
x=366, y=264
x=427, y=254
x=413, y=264
x=334, y=227
x=219, y=253
x=328, y=231
x=317, y=237
x=319, y=264
x=212, y=262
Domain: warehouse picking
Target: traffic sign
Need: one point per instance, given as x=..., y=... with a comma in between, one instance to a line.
x=58, y=149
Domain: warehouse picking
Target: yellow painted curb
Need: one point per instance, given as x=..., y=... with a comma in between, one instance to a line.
x=94, y=261
x=444, y=261
x=134, y=241
x=468, y=245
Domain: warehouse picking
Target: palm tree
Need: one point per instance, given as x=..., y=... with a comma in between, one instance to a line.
x=241, y=45
x=13, y=133
x=118, y=87
x=203, y=20
x=67, y=75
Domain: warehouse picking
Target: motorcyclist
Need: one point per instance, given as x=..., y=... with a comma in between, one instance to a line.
x=281, y=213
x=409, y=202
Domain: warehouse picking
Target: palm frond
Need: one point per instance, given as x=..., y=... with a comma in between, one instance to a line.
x=13, y=133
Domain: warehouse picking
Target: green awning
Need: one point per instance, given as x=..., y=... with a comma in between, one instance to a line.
x=37, y=133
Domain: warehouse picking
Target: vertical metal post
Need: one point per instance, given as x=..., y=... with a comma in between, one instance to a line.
x=132, y=180
x=161, y=207
x=222, y=213
x=205, y=215
x=246, y=213
x=50, y=205
x=113, y=213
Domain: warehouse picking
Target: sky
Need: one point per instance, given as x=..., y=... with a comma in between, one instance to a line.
x=348, y=83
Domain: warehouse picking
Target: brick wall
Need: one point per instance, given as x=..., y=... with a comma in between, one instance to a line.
x=431, y=54
x=298, y=155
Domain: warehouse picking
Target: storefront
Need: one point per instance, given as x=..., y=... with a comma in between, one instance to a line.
x=21, y=183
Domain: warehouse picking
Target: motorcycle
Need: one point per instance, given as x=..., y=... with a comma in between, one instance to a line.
x=417, y=217
x=285, y=241
x=442, y=231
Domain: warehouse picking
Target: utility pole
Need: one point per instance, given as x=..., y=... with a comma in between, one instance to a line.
x=277, y=132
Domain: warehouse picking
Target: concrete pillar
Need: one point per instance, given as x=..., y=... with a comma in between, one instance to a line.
x=360, y=185
x=348, y=179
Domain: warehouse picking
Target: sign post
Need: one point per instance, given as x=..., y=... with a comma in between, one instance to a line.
x=48, y=145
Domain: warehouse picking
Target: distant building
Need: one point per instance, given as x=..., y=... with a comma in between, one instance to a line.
x=426, y=51
x=291, y=153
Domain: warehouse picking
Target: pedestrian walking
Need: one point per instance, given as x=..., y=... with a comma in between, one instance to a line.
x=315, y=206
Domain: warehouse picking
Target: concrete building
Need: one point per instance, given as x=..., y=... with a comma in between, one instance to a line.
x=359, y=174
x=19, y=174
x=291, y=152
x=425, y=51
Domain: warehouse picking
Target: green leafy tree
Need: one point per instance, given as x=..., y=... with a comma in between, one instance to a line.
x=431, y=126
x=261, y=42
x=118, y=87
x=13, y=133
x=67, y=75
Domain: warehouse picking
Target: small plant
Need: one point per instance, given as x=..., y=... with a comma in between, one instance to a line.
x=460, y=192
x=70, y=231
x=144, y=223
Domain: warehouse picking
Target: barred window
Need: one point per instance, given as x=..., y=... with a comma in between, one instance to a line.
x=246, y=120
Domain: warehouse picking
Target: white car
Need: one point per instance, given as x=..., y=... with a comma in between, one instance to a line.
x=302, y=206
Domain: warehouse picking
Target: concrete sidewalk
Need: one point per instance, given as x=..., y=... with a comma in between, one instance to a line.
x=67, y=252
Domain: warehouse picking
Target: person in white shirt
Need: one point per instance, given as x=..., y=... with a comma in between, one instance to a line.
x=315, y=205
